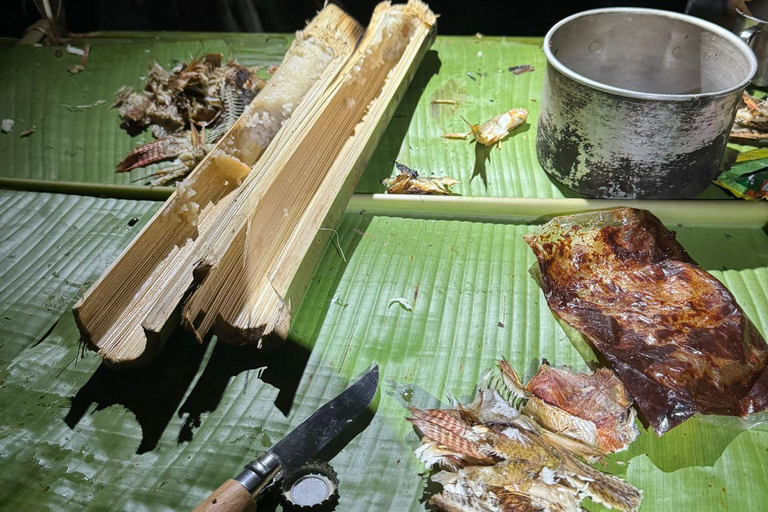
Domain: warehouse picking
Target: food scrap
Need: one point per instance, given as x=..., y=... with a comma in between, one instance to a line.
x=29, y=131
x=751, y=124
x=519, y=70
x=593, y=408
x=494, y=130
x=188, y=109
x=402, y=302
x=461, y=136
x=672, y=333
x=78, y=108
x=84, y=53
x=74, y=50
x=409, y=182
x=495, y=456
x=7, y=125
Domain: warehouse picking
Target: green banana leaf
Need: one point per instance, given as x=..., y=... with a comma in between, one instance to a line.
x=77, y=135
x=85, y=144
x=53, y=247
x=75, y=435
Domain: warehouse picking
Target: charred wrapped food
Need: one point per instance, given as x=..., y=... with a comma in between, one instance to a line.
x=673, y=334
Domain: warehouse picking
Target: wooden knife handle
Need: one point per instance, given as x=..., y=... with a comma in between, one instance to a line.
x=231, y=496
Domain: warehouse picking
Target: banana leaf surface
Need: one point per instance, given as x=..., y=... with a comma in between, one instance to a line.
x=79, y=139
x=75, y=435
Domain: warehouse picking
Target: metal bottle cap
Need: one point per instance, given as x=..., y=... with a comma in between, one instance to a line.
x=312, y=487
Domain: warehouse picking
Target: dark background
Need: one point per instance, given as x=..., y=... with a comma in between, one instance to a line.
x=512, y=17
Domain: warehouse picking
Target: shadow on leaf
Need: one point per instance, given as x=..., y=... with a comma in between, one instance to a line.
x=281, y=368
x=152, y=393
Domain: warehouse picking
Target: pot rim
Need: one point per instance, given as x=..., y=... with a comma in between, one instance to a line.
x=565, y=70
x=752, y=17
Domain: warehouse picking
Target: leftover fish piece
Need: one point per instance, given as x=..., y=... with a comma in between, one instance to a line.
x=409, y=182
x=187, y=148
x=462, y=136
x=753, y=113
x=672, y=333
x=593, y=408
x=751, y=124
x=494, y=457
x=188, y=109
x=740, y=133
x=519, y=70
x=84, y=53
x=494, y=130
x=402, y=302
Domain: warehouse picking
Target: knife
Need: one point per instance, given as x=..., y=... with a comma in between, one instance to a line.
x=294, y=450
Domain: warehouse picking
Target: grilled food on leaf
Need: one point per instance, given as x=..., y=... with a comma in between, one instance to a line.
x=672, y=333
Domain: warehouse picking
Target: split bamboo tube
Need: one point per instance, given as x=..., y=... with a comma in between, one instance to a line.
x=263, y=251
x=127, y=315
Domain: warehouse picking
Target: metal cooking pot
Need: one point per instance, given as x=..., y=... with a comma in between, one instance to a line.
x=638, y=103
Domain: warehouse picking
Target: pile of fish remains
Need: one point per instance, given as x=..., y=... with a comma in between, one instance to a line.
x=522, y=454
x=673, y=334
x=188, y=109
x=751, y=125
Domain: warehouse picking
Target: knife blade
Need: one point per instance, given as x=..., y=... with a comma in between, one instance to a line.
x=312, y=435
x=295, y=449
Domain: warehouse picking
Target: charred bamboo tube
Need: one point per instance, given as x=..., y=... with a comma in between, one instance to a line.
x=127, y=315
x=264, y=250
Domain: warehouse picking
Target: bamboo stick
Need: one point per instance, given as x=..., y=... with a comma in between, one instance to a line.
x=256, y=253
x=693, y=213
x=122, y=316
x=726, y=213
x=88, y=189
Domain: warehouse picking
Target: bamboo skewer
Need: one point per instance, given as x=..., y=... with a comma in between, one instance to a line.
x=689, y=212
x=125, y=314
x=726, y=213
x=254, y=267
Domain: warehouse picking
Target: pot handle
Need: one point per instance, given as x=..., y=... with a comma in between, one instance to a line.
x=748, y=34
